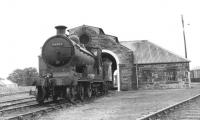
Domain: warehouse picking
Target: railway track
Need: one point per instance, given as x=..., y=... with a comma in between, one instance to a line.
x=186, y=110
x=190, y=111
x=15, y=102
x=10, y=107
x=16, y=93
x=32, y=111
x=28, y=108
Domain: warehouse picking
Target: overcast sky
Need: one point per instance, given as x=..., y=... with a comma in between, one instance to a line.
x=26, y=24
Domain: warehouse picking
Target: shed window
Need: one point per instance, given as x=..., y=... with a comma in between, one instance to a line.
x=171, y=76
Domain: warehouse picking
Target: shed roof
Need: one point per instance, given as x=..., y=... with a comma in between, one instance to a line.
x=96, y=30
x=92, y=31
x=146, y=52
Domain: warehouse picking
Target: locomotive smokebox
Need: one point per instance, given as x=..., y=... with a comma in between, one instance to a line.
x=60, y=30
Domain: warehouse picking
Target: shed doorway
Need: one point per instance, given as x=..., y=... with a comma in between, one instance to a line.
x=111, y=64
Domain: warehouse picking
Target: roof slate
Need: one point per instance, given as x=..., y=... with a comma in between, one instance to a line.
x=146, y=52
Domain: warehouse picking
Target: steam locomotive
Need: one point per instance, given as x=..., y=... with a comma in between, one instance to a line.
x=70, y=69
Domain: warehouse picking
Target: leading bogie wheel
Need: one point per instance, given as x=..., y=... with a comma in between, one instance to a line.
x=55, y=94
x=95, y=91
x=105, y=90
x=89, y=91
x=73, y=93
x=70, y=93
x=81, y=93
x=40, y=97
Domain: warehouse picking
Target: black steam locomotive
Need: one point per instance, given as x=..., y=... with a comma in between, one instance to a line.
x=69, y=69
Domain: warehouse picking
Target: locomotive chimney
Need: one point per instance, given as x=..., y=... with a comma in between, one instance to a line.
x=60, y=30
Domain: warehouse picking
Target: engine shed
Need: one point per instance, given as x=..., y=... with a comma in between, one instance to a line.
x=157, y=67
x=135, y=64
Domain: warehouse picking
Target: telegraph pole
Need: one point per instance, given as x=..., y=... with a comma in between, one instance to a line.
x=188, y=72
x=184, y=36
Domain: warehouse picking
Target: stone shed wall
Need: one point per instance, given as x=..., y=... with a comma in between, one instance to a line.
x=125, y=57
x=160, y=76
x=127, y=76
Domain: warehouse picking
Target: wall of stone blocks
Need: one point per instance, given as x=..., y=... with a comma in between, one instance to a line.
x=158, y=79
x=125, y=57
x=126, y=76
x=124, y=54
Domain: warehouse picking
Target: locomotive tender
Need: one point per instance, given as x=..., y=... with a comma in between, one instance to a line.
x=69, y=68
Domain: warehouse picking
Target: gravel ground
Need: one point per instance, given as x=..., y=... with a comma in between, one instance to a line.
x=124, y=105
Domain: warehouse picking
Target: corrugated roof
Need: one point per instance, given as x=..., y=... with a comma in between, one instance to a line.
x=146, y=52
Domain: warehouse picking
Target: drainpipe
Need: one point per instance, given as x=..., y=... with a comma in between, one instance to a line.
x=137, y=76
x=189, y=80
x=118, y=78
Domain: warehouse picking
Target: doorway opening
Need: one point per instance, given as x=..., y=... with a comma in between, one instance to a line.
x=111, y=62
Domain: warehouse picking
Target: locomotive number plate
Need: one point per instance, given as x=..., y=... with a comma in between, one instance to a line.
x=57, y=44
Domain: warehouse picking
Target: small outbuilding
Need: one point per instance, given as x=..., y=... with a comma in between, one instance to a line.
x=157, y=67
